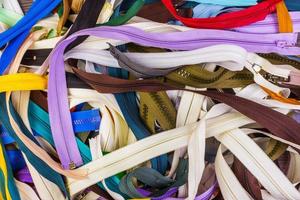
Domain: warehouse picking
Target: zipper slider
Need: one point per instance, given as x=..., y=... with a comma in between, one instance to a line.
x=284, y=44
x=270, y=77
x=81, y=196
x=72, y=165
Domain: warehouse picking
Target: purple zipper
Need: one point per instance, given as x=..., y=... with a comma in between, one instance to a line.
x=270, y=25
x=59, y=114
x=282, y=43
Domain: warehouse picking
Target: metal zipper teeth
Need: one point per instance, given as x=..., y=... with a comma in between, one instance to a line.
x=281, y=59
x=267, y=9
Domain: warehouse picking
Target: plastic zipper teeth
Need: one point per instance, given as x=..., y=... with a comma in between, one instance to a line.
x=46, y=126
x=283, y=60
x=187, y=75
x=66, y=145
x=162, y=105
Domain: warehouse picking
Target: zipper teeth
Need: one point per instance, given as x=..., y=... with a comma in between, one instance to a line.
x=259, y=166
x=242, y=76
x=276, y=122
x=266, y=8
x=183, y=41
x=46, y=125
x=63, y=138
x=185, y=74
x=281, y=59
x=162, y=105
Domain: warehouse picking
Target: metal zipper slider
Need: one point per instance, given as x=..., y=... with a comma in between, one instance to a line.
x=81, y=196
x=270, y=77
x=72, y=165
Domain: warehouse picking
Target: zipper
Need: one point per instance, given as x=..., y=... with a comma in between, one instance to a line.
x=157, y=107
x=63, y=134
x=229, y=20
x=281, y=59
x=187, y=77
x=287, y=44
x=13, y=5
x=47, y=127
x=25, y=5
x=276, y=122
x=270, y=77
x=163, y=142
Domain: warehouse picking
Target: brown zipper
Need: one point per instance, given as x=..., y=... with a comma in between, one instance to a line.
x=277, y=123
x=247, y=180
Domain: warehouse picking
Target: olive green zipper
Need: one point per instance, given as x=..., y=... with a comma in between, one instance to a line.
x=156, y=107
x=280, y=60
x=197, y=76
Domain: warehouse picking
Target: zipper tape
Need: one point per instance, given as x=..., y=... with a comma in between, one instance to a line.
x=8, y=17
x=283, y=43
x=103, y=83
x=8, y=189
x=148, y=147
x=13, y=5
x=26, y=192
x=128, y=105
x=285, y=23
x=246, y=179
x=39, y=121
x=63, y=18
x=227, y=4
x=86, y=18
x=229, y=20
x=17, y=34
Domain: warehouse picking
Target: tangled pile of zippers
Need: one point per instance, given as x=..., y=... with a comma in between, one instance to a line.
x=150, y=99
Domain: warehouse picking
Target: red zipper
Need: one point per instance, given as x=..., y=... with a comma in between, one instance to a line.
x=228, y=20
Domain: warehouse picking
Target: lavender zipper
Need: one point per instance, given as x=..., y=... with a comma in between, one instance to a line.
x=60, y=118
x=282, y=43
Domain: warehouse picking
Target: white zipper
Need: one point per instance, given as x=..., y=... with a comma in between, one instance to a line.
x=150, y=147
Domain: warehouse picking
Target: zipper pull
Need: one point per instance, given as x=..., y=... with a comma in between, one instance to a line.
x=270, y=77
x=81, y=196
x=72, y=165
x=284, y=44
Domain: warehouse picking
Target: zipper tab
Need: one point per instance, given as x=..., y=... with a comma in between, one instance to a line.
x=284, y=44
x=72, y=165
